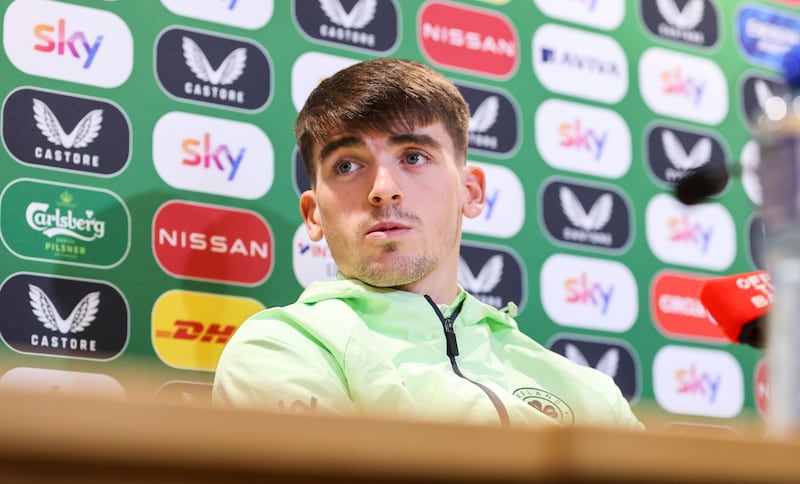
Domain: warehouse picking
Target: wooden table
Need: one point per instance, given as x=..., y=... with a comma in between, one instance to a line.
x=82, y=439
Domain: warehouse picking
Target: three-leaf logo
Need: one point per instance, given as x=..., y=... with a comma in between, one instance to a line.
x=485, y=116
x=494, y=120
x=361, y=14
x=608, y=363
x=66, y=132
x=79, y=319
x=361, y=24
x=756, y=90
x=598, y=215
x=699, y=155
x=694, y=23
x=687, y=18
x=486, y=280
x=81, y=135
x=493, y=274
x=209, y=68
x=65, y=317
x=229, y=70
x=605, y=225
x=612, y=357
x=673, y=153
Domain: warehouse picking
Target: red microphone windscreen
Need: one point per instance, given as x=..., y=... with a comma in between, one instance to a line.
x=736, y=300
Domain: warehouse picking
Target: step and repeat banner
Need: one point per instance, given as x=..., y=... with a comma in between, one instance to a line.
x=149, y=178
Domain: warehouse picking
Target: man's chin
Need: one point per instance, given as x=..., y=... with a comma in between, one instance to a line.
x=388, y=276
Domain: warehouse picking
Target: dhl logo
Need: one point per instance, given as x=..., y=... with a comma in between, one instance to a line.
x=197, y=331
x=190, y=329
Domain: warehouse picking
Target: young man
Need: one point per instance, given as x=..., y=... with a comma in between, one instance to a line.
x=385, y=145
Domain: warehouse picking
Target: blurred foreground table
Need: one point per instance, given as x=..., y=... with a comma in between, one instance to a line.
x=80, y=439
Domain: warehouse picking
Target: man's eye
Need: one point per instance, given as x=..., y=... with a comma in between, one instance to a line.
x=415, y=158
x=345, y=167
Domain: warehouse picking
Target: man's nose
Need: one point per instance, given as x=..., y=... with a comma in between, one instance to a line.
x=385, y=187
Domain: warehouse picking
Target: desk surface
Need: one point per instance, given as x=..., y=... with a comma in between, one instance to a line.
x=82, y=439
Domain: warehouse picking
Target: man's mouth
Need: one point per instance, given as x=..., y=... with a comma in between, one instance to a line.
x=387, y=229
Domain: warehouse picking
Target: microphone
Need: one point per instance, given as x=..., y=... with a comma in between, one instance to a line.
x=704, y=182
x=739, y=304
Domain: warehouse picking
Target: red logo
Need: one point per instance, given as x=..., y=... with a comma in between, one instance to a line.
x=467, y=38
x=212, y=243
x=677, y=310
x=761, y=387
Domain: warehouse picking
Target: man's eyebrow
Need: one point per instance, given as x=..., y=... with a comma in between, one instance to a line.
x=343, y=142
x=395, y=139
x=415, y=138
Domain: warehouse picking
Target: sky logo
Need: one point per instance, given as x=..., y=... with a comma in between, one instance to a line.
x=583, y=139
x=695, y=381
x=201, y=153
x=683, y=86
x=701, y=236
x=68, y=42
x=602, y=14
x=504, y=213
x=683, y=229
x=589, y=293
x=675, y=83
x=574, y=135
x=213, y=155
x=579, y=290
x=704, y=385
x=54, y=38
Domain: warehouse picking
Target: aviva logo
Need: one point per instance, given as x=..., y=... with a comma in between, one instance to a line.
x=190, y=329
x=68, y=42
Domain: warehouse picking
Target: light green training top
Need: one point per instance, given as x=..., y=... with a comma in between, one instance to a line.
x=346, y=347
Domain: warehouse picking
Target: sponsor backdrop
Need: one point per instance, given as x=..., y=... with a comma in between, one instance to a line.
x=150, y=178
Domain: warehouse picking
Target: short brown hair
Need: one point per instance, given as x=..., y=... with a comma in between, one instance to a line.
x=387, y=95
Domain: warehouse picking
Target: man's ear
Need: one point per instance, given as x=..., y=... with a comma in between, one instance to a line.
x=475, y=181
x=310, y=212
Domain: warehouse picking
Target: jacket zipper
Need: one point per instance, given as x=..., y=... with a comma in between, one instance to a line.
x=452, y=352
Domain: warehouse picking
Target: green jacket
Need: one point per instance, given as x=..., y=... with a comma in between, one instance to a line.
x=346, y=347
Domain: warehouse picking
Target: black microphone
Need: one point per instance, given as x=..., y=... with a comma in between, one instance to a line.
x=704, y=182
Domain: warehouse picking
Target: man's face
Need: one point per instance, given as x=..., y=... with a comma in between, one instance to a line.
x=390, y=206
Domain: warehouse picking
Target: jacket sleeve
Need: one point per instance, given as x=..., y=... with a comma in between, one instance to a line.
x=274, y=365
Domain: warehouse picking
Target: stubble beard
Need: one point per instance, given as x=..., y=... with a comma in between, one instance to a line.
x=392, y=269
x=398, y=271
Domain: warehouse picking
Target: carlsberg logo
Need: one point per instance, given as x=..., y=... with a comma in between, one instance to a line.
x=60, y=222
